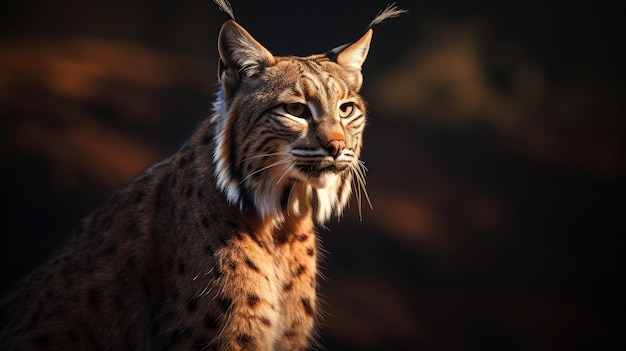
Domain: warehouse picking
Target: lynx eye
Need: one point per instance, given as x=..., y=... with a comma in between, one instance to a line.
x=345, y=110
x=297, y=110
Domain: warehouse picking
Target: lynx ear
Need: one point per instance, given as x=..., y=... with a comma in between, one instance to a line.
x=352, y=55
x=241, y=52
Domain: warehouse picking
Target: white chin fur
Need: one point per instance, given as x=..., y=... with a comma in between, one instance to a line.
x=326, y=180
x=268, y=195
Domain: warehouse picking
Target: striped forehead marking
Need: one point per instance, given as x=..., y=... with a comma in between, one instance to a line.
x=319, y=88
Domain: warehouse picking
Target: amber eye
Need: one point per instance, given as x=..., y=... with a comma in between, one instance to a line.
x=297, y=109
x=345, y=110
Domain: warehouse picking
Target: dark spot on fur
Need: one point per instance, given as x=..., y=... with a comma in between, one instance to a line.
x=93, y=298
x=284, y=197
x=192, y=304
x=232, y=264
x=219, y=272
x=310, y=251
x=222, y=240
x=244, y=340
x=226, y=303
x=160, y=195
x=209, y=250
x=200, y=193
x=266, y=322
x=287, y=286
x=231, y=224
x=214, y=217
x=290, y=334
x=138, y=197
x=301, y=237
x=300, y=270
x=134, y=230
x=173, y=180
x=251, y=264
x=206, y=223
x=306, y=303
x=181, y=267
x=212, y=322
x=257, y=241
x=206, y=140
x=189, y=192
x=253, y=300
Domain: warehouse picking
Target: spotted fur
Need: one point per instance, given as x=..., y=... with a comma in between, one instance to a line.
x=215, y=247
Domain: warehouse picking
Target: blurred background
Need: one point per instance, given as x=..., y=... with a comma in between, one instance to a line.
x=495, y=150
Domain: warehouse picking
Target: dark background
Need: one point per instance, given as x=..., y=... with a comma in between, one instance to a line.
x=495, y=150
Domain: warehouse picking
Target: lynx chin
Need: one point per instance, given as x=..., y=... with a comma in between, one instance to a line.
x=214, y=248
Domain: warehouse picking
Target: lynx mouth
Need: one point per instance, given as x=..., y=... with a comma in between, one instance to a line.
x=317, y=169
x=321, y=174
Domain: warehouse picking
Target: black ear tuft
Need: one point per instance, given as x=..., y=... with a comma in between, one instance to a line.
x=391, y=11
x=226, y=8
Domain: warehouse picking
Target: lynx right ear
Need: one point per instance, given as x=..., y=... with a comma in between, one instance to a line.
x=353, y=55
x=241, y=52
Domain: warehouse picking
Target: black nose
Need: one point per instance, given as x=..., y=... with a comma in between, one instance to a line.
x=335, y=147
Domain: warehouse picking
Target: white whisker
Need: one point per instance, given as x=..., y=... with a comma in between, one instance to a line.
x=359, y=183
x=262, y=156
x=277, y=163
x=362, y=170
x=285, y=173
x=357, y=192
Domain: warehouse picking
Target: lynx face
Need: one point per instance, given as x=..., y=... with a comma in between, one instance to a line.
x=290, y=128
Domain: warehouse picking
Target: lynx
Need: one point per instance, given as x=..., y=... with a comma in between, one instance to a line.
x=215, y=247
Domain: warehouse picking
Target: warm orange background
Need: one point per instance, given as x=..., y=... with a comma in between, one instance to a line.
x=495, y=150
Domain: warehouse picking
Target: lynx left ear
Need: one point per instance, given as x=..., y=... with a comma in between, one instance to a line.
x=240, y=51
x=352, y=55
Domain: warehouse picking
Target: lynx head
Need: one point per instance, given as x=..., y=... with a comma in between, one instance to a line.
x=289, y=129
